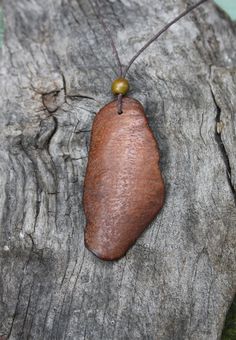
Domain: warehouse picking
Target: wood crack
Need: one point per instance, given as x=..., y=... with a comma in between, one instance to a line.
x=222, y=146
x=55, y=74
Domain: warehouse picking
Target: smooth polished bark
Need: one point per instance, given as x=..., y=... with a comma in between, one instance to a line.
x=124, y=189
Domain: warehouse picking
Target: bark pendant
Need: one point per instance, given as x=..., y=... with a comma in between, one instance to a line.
x=123, y=188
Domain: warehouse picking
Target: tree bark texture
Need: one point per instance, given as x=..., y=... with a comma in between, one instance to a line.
x=57, y=66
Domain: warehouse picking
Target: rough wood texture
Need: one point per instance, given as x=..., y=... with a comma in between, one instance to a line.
x=123, y=187
x=56, y=70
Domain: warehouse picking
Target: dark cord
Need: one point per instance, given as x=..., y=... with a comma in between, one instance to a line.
x=165, y=28
x=108, y=33
x=155, y=37
x=119, y=103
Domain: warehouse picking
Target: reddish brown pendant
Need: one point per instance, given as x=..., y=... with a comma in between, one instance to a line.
x=123, y=189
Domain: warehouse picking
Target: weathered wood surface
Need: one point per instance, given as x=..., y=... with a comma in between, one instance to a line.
x=177, y=282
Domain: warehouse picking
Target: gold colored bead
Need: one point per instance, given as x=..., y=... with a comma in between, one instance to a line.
x=120, y=86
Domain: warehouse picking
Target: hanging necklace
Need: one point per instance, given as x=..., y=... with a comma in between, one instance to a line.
x=123, y=186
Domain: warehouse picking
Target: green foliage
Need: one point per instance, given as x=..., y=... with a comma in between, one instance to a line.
x=229, y=332
x=229, y=6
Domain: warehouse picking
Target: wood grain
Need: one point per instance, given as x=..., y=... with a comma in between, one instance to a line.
x=178, y=280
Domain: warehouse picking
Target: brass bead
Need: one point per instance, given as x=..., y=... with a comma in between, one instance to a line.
x=120, y=86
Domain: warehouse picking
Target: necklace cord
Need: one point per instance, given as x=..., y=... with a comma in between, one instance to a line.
x=148, y=43
x=109, y=35
x=165, y=28
x=119, y=103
